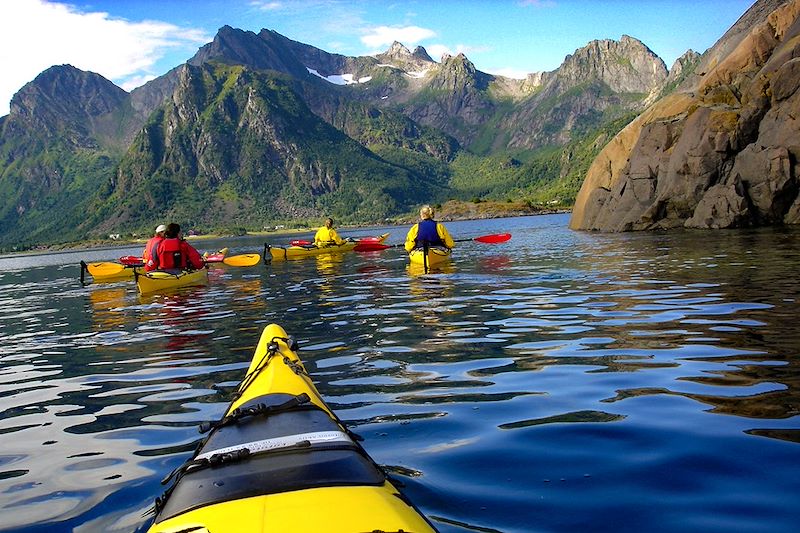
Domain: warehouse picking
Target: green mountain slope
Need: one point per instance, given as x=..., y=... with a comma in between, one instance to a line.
x=238, y=147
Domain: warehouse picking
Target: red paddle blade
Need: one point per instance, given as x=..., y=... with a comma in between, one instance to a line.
x=370, y=246
x=493, y=239
x=130, y=260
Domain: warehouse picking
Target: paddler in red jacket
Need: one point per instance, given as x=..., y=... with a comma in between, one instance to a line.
x=150, y=248
x=174, y=253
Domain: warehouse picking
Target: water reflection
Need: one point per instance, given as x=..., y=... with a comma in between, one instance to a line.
x=532, y=385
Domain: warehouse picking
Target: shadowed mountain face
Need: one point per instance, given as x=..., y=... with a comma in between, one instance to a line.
x=722, y=150
x=258, y=129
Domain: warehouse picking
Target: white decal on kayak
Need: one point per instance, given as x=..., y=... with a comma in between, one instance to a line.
x=276, y=443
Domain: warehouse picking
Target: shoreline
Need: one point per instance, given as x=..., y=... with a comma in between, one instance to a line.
x=67, y=248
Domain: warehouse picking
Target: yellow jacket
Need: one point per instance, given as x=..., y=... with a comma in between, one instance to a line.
x=327, y=237
x=411, y=237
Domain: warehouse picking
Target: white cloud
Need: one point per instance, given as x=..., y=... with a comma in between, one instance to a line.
x=266, y=6
x=438, y=50
x=383, y=36
x=537, y=3
x=509, y=73
x=37, y=34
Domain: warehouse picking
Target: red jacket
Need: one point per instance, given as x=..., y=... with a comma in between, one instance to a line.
x=174, y=254
x=150, y=249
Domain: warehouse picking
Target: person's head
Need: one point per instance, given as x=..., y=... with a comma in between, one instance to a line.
x=173, y=230
x=426, y=212
x=160, y=230
x=328, y=222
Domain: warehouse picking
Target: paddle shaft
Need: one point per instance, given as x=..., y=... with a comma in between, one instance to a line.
x=488, y=239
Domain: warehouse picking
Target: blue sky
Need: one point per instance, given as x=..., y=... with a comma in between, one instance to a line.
x=133, y=41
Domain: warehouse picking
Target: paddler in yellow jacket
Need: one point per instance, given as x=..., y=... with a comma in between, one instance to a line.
x=327, y=236
x=428, y=231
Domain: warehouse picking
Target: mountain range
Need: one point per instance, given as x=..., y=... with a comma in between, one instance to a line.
x=257, y=129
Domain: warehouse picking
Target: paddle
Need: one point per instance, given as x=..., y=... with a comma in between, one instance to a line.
x=131, y=260
x=495, y=238
x=243, y=260
x=104, y=269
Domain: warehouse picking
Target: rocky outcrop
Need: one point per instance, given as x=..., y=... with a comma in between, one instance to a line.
x=720, y=152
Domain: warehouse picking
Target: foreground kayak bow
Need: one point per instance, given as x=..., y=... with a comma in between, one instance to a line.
x=281, y=461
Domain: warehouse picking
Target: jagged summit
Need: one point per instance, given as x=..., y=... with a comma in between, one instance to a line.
x=420, y=53
x=626, y=65
x=65, y=97
x=397, y=50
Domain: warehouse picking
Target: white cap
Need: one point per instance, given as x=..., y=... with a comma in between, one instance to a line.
x=161, y=228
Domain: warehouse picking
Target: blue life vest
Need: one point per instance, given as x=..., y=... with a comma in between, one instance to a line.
x=426, y=232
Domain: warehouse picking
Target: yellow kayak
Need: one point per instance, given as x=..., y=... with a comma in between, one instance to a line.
x=284, y=253
x=435, y=257
x=105, y=272
x=280, y=461
x=159, y=280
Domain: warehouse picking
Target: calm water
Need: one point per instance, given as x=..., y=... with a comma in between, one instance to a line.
x=562, y=381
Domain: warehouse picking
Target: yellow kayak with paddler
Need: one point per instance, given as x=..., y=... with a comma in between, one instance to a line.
x=299, y=251
x=280, y=461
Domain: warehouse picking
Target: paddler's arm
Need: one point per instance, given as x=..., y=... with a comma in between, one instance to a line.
x=335, y=237
x=411, y=237
x=445, y=235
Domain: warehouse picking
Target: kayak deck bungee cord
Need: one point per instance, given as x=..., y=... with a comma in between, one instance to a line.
x=281, y=461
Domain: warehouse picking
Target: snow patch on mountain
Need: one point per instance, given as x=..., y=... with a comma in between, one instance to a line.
x=340, y=79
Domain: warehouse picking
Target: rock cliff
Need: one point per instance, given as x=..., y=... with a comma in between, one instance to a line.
x=719, y=152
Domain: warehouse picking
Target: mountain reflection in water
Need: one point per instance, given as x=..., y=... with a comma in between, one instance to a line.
x=559, y=381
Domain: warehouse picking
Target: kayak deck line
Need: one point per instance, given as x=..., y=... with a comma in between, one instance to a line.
x=277, y=443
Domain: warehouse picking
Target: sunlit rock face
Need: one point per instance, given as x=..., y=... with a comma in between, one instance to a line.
x=719, y=152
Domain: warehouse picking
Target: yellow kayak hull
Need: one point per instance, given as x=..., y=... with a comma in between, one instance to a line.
x=436, y=256
x=125, y=273
x=341, y=505
x=288, y=253
x=157, y=280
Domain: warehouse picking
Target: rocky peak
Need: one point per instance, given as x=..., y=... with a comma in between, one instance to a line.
x=266, y=50
x=66, y=99
x=683, y=67
x=397, y=50
x=626, y=65
x=66, y=91
x=400, y=56
x=420, y=53
x=457, y=72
